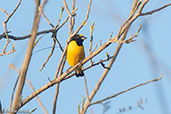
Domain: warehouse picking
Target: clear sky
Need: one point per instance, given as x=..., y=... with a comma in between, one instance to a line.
x=136, y=63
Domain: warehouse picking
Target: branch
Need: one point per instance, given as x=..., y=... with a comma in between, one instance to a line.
x=53, y=47
x=156, y=10
x=38, y=99
x=86, y=87
x=67, y=9
x=5, y=28
x=12, y=66
x=23, y=72
x=124, y=91
x=9, y=52
x=55, y=99
x=84, y=22
x=29, y=35
x=8, y=17
x=92, y=26
x=42, y=12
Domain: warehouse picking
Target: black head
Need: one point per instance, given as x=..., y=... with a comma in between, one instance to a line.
x=79, y=38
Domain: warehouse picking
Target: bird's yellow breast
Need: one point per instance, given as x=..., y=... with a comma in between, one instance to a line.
x=75, y=53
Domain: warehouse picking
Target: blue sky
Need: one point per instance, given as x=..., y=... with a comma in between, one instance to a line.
x=137, y=62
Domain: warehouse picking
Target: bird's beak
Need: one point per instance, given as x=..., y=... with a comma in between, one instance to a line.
x=84, y=38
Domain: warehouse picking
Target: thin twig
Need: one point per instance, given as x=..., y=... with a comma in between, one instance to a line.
x=42, y=12
x=54, y=36
x=73, y=17
x=67, y=9
x=92, y=26
x=64, y=51
x=86, y=87
x=60, y=46
x=13, y=91
x=59, y=20
x=8, y=17
x=84, y=22
x=155, y=10
x=55, y=99
x=38, y=99
x=26, y=36
x=126, y=90
x=12, y=66
x=57, y=87
x=62, y=23
x=29, y=35
x=4, y=11
x=60, y=62
x=8, y=41
x=9, y=52
x=90, y=66
x=134, y=8
x=5, y=27
x=52, y=50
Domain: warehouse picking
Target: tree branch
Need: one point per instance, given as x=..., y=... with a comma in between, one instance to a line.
x=124, y=91
x=156, y=10
x=23, y=72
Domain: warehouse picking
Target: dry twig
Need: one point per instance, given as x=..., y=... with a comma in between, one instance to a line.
x=5, y=28
x=38, y=99
x=126, y=90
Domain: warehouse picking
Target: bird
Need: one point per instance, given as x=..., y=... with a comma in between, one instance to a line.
x=75, y=53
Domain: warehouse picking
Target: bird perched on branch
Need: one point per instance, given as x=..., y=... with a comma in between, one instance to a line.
x=75, y=52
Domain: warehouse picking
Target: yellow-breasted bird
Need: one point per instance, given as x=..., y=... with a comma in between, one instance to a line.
x=75, y=52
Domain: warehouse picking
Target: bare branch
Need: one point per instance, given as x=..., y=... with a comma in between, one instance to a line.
x=22, y=74
x=73, y=10
x=84, y=22
x=156, y=10
x=55, y=99
x=59, y=20
x=31, y=86
x=38, y=33
x=38, y=99
x=12, y=66
x=91, y=40
x=42, y=12
x=9, y=16
x=86, y=87
x=4, y=11
x=13, y=91
x=124, y=91
x=26, y=36
x=60, y=46
x=9, y=52
x=53, y=47
x=5, y=28
x=67, y=9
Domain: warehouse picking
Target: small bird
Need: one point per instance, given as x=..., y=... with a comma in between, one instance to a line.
x=75, y=52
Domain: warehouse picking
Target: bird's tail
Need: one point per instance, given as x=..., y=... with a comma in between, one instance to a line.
x=79, y=72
